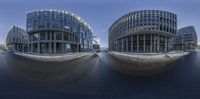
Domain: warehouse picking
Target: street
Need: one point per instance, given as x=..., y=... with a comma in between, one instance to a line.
x=94, y=77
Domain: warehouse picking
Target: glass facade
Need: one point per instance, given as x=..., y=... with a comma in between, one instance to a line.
x=17, y=39
x=186, y=39
x=143, y=31
x=57, y=31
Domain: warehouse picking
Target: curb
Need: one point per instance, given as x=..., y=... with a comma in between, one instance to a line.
x=53, y=59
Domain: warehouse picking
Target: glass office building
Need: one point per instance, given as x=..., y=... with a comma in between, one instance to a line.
x=186, y=39
x=143, y=31
x=96, y=43
x=57, y=31
x=17, y=39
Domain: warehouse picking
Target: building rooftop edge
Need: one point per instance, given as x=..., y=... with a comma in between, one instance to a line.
x=66, y=12
x=190, y=26
x=139, y=11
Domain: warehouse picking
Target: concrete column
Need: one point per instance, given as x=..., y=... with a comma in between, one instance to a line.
x=151, y=43
x=17, y=47
x=132, y=43
x=158, y=43
x=154, y=44
x=144, y=42
x=54, y=42
x=38, y=47
x=137, y=42
x=46, y=36
x=115, y=45
x=77, y=48
x=46, y=50
x=165, y=43
x=38, y=43
x=168, y=43
x=122, y=45
x=62, y=42
x=115, y=49
x=12, y=47
x=31, y=47
x=74, y=38
x=118, y=45
x=22, y=47
x=50, y=33
x=69, y=37
x=126, y=44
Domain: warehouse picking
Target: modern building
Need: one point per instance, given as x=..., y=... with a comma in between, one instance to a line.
x=186, y=39
x=3, y=47
x=57, y=31
x=17, y=40
x=96, y=43
x=143, y=31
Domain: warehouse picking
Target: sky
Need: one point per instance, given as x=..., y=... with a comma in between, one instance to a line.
x=99, y=14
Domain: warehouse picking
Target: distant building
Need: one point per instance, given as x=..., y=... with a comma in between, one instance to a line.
x=96, y=43
x=186, y=39
x=104, y=48
x=57, y=32
x=17, y=40
x=143, y=31
x=3, y=47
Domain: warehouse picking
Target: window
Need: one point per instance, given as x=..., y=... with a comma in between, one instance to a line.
x=58, y=35
x=43, y=36
x=13, y=39
x=35, y=37
x=65, y=36
x=29, y=27
x=48, y=35
x=160, y=28
x=30, y=38
x=52, y=35
x=41, y=26
x=48, y=25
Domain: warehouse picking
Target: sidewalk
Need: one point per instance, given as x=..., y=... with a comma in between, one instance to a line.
x=147, y=61
x=53, y=58
x=1, y=51
x=147, y=56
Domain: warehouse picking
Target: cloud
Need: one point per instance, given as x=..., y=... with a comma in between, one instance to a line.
x=1, y=42
x=198, y=43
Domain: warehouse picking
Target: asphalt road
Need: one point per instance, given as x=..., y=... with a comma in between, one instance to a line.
x=93, y=77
